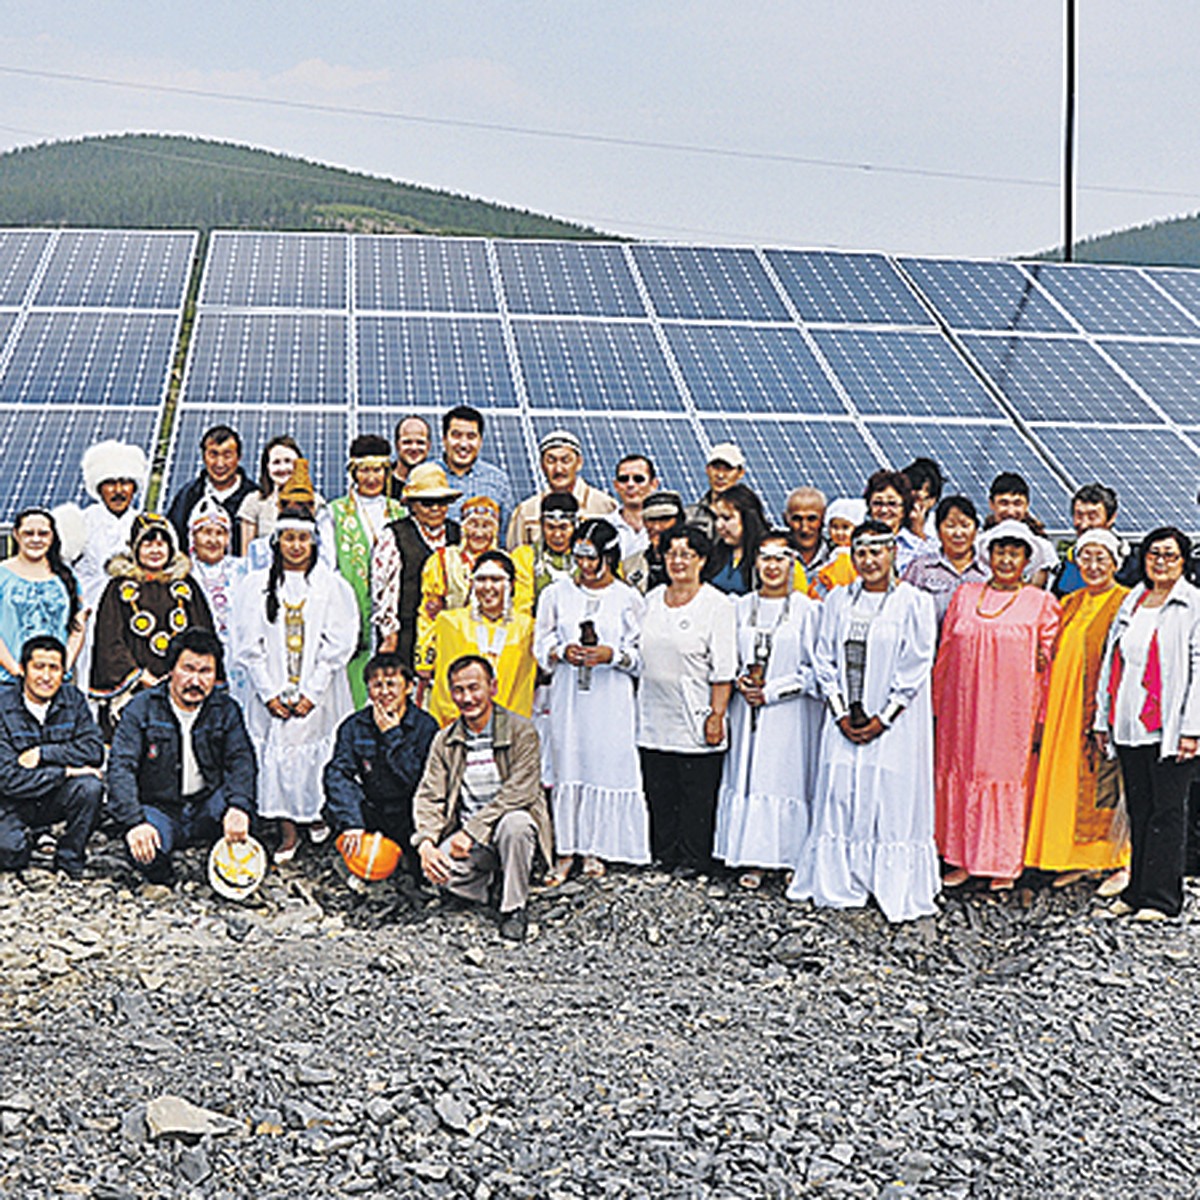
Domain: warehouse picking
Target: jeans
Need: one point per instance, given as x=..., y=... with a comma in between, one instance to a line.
x=76, y=800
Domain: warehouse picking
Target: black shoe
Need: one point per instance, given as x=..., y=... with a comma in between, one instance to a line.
x=514, y=925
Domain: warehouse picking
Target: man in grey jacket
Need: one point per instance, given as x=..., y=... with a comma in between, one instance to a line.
x=479, y=806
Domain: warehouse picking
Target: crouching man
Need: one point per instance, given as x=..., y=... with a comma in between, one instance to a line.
x=480, y=807
x=181, y=770
x=378, y=759
x=50, y=759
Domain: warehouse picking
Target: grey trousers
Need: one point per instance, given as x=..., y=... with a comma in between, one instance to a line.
x=514, y=841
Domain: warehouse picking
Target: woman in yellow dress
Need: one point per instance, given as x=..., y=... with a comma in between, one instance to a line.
x=1077, y=824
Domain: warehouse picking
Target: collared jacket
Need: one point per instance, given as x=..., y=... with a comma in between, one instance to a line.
x=1178, y=655
x=69, y=738
x=526, y=522
x=519, y=761
x=377, y=768
x=145, y=765
x=186, y=500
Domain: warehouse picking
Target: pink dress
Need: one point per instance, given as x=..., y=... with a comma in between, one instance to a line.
x=987, y=698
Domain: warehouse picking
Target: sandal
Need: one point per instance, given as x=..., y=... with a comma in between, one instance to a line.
x=1001, y=885
x=955, y=878
x=1115, y=884
x=1067, y=878
x=750, y=880
x=593, y=868
x=558, y=875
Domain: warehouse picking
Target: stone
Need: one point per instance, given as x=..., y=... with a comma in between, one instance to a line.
x=194, y=1165
x=452, y=1113
x=172, y=1115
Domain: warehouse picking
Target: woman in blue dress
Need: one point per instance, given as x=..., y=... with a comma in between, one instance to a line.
x=38, y=593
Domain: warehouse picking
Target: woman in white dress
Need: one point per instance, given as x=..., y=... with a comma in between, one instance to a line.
x=774, y=723
x=295, y=631
x=588, y=639
x=871, y=832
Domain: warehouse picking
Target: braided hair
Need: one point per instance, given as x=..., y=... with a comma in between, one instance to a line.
x=275, y=574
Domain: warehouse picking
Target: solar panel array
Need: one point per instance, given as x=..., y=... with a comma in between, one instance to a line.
x=820, y=365
x=89, y=325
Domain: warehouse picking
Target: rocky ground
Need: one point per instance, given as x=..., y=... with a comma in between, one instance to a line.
x=655, y=1037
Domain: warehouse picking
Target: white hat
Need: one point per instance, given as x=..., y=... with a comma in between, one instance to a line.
x=560, y=437
x=847, y=508
x=112, y=460
x=235, y=869
x=726, y=452
x=1013, y=530
x=1105, y=538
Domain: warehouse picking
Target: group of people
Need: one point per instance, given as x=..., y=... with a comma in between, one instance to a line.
x=879, y=697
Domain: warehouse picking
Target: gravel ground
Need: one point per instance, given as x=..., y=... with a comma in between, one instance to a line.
x=654, y=1037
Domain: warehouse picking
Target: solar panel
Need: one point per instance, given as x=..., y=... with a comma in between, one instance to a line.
x=1057, y=379
x=670, y=443
x=414, y=362
x=401, y=274
x=114, y=268
x=708, y=284
x=7, y=321
x=1183, y=286
x=578, y=365
x=505, y=445
x=1154, y=470
x=751, y=369
x=985, y=295
x=21, y=251
x=267, y=358
x=323, y=435
x=276, y=270
x=42, y=448
x=568, y=279
x=846, y=288
x=1169, y=372
x=971, y=456
x=904, y=373
x=782, y=455
x=1112, y=300
x=82, y=357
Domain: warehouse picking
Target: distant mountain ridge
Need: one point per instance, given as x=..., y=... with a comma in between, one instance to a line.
x=1174, y=242
x=150, y=181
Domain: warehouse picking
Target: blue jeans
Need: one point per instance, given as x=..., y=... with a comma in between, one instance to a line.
x=200, y=821
x=76, y=800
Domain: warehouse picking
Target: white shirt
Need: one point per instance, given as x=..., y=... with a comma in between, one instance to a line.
x=37, y=711
x=633, y=541
x=684, y=650
x=1128, y=727
x=193, y=779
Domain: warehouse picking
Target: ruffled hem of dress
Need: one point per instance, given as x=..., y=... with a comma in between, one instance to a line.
x=763, y=831
x=612, y=824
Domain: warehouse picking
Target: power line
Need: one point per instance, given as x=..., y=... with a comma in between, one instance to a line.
x=586, y=137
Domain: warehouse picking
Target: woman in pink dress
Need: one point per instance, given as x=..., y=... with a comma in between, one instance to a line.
x=989, y=687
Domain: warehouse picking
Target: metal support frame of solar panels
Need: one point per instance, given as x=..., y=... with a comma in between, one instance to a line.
x=89, y=325
x=822, y=366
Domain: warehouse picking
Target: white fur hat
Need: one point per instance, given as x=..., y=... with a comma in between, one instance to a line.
x=113, y=460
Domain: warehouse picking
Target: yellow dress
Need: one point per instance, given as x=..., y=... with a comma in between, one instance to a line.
x=1075, y=823
x=509, y=647
x=838, y=572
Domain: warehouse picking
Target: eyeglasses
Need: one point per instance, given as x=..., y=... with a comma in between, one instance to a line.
x=880, y=502
x=626, y=478
x=1166, y=556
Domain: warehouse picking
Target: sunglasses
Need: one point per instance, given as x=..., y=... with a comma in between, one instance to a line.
x=625, y=477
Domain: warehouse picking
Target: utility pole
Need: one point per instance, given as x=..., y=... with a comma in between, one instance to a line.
x=1068, y=248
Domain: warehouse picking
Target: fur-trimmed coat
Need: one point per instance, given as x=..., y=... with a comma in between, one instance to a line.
x=140, y=612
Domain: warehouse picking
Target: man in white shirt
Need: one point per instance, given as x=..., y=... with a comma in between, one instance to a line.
x=634, y=480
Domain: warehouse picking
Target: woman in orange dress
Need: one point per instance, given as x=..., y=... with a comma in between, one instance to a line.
x=1078, y=821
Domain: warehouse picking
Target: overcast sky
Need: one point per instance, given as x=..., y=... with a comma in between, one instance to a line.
x=910, y=88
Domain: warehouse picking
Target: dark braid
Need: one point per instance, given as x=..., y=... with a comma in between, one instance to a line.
x=275, y=574
x=54, y=561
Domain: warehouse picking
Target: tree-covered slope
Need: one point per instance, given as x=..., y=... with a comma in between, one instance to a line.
x=149, y=181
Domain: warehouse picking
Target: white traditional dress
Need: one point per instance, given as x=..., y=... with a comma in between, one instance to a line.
x=220, y=581
x=766, y=784
x=321, y=610
x=597, y=799
x=871, y=832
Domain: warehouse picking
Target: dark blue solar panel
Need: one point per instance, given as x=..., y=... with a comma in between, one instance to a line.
x=847, y=288
x=323, y=435
x=985, y=295
x=782, y=455
x=21, y=251
x=116, y=269
x=505, y=444
x=568, y=278
x=276, y=270
x=743, y=368
x=971, y=456
x=90, y=358
x=1169, y=373
x=1112, y=300
x=1057, y=379
x=904, y=374
x=42, y=448
x=1182, y=285
x=7, y=321
x=404, y=274
x=671, y=444
x=415, y=362
x=267, y=358
x=708, y=283
x=582, y=365
x=1153, y=470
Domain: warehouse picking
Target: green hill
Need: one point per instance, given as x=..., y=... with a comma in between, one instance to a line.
x=143, y=181
x=1174, y=242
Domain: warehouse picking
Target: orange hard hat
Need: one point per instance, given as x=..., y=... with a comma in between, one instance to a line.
x=376, y=857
